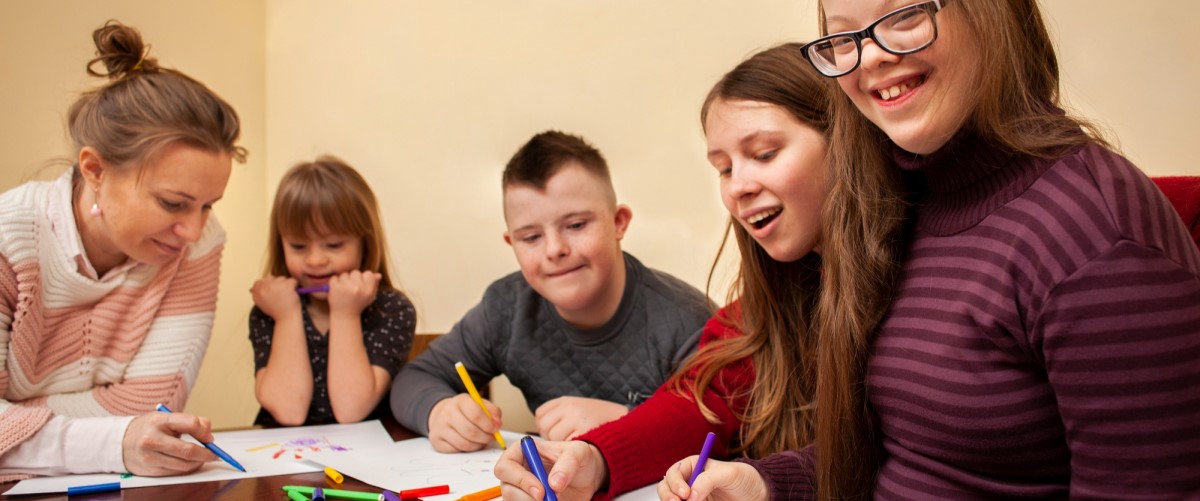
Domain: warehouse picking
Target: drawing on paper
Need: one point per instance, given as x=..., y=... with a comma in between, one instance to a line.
x=445, y=468
x=297, y=447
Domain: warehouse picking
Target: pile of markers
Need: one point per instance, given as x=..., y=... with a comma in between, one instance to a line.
x=301, y=493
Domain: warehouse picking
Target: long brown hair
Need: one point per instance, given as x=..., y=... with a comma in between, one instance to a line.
x=776, y=300
x=144, y=107
x=1017, y=106
x=861, y=239
x=327, y=195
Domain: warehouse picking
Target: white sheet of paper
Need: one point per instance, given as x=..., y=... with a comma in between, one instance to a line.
x=410, y=464
x=647, y=493
x=277, y=451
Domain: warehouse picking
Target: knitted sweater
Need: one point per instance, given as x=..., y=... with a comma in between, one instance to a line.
x=75, y=346
x=516, y=332
x=1045, y=341
x=640, y=446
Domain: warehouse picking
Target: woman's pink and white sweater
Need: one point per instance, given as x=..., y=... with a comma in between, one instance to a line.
x=73, y=346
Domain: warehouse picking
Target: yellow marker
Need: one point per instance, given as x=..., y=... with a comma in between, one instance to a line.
x=466, y=379
x=334, y=475
x=261, y=447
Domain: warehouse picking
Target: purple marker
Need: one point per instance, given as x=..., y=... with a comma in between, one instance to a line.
x=315, y=288
x=704, y=451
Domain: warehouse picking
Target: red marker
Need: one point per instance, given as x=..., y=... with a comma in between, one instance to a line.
x=417, y=493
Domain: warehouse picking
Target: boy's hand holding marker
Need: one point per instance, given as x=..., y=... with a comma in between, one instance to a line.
x=465, y=422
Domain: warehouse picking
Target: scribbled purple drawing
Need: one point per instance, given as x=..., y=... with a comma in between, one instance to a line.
x=300, y=446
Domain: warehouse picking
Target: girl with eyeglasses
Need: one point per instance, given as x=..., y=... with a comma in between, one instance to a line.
x=1044, y=340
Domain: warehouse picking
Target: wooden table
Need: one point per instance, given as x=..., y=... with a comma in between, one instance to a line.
x=257, y=488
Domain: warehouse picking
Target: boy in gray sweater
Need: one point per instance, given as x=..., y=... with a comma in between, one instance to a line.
x=584, y=331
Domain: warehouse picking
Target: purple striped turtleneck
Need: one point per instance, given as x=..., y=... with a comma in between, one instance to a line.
x=1045, y=340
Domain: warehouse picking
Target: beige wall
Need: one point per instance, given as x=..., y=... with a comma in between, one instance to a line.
x=429, y=99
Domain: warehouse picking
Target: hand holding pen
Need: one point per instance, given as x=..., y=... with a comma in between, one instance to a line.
x=152, y=447
x=721, y=481
x=533, y=459
x=575, y=470
x=208, y=444
x=464, y=422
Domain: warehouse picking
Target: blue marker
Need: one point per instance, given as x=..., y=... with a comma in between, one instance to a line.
x=535, y=465
x=209, y=445
x=94, y=488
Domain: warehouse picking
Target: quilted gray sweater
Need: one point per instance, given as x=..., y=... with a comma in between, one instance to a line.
x=516, y=332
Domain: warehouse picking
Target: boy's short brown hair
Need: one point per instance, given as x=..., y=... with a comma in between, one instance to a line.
x=545, y=153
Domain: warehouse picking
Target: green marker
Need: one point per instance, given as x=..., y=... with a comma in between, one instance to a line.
x=296, y=496
x=335, y=493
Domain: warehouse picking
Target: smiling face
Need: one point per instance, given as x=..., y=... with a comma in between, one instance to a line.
x=919, y=100
x=315, y=258
x=151, y=214
x=567, y=242
x=773, y=174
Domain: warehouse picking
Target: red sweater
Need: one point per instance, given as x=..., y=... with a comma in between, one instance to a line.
x=668, y=427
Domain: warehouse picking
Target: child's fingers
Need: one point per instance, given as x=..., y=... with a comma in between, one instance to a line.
x=517, y=482
x=497, y=414
x=473, y=416
x=677, y=476
x=566, y=466
x=546, y=421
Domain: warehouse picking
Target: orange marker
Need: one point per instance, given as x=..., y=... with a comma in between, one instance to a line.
x=483, y=495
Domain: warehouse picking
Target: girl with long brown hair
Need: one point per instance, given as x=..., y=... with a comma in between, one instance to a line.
x=751, y=382
x=326, y=315
x=1043, y=342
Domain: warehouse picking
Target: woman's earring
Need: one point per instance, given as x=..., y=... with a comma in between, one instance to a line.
x=96, y=204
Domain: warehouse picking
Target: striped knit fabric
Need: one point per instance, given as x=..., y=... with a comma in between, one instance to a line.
x=74, y=346
x=1045, y=341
